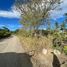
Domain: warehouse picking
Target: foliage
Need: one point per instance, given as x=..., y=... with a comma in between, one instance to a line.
x=23, y=33
x=65, y=49
x=15, y=32
x=63, y=26
x=34, y=12
x=46, y=32
x=59, y=40
x=56, y=25
x=4, y=32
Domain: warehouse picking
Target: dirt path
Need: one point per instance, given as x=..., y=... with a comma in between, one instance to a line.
x=12, y=53
x=11, y=44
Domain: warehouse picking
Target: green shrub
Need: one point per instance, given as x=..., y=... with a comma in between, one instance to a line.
x=4, y=32
x=65, y=49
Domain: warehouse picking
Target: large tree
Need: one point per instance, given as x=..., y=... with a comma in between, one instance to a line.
x=34, y=12
x=56, y=26
x=63, y=26
x=65, y=22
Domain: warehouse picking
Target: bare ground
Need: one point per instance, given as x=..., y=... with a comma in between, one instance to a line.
x=11, y=44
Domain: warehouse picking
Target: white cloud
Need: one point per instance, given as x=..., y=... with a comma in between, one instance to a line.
x=59, y=12
x=54, y=14
x=10, y=14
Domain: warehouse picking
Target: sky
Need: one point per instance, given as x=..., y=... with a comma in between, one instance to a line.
x=10, y=18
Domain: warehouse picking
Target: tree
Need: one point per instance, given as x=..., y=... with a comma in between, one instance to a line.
x=65, y=18
x=49, y=25
x=65, y=21
x=34, y=12
x=4, y=32
x=56, y=26
x=63, y=26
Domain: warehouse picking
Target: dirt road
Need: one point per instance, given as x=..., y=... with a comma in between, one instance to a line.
x=11, y=44
x=12, y=53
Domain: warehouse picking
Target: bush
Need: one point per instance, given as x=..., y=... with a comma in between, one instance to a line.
x=65, y=49
x=4, y=32
x=23, y=33
x=57, y=39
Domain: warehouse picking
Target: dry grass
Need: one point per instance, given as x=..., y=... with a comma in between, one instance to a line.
x=33, y=43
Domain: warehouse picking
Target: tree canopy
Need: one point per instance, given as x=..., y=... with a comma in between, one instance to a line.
x=34, y=12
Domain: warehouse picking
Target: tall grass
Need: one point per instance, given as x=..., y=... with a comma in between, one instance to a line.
x=33, y=43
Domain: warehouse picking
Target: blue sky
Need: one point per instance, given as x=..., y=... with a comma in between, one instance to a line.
x=6, y=4
x=10, y=18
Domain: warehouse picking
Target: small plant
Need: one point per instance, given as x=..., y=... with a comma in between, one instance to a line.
x=65, y=49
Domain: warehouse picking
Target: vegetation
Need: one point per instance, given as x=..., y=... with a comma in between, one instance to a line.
x=65, y=49
x=35, y=13
x=4, y=32
x=48, y=39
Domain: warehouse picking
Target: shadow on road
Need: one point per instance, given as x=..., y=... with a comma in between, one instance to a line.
x=15, y=60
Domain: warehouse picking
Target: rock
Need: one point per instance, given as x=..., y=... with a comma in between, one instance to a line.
x=44, y=51
x=57, y=52
x=31, y=53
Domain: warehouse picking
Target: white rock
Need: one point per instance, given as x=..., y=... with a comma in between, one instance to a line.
x=57, y=52
x=44, y=51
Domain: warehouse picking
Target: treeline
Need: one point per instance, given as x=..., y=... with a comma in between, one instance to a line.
x=4, y=32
